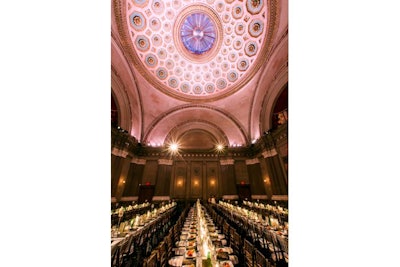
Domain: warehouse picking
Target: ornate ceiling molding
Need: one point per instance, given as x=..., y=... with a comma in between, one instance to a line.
x=149, y=37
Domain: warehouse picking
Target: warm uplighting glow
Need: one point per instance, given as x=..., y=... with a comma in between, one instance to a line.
x=179, y=183
x=196, y=182
x=212, y=182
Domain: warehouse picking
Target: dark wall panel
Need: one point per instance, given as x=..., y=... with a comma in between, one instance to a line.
x=163, y=180
x=179, y=180
x=241, y=172
x=228, y=182
x=133, y=180
x=115, y=172
x=255, y=179
x=150, y=172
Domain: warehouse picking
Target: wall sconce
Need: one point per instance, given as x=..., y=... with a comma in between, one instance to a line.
x=179, y=183
x=196, y=183
x=212, y=182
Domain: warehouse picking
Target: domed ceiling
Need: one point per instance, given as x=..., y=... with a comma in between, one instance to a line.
x=197, y=50
x=199, y=72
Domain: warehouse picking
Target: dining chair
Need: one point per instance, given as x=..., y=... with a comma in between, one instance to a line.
x=115, y=256
x=248, y=253
x=151, y=261
x=260, y=259
x=162, y=253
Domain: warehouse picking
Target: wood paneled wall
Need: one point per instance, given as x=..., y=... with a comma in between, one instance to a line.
x=200, y=178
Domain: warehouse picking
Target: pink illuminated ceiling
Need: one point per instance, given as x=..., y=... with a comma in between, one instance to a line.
x=200, y=72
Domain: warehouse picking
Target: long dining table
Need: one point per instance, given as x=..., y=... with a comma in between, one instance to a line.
x=256, y=223
x=129, y=231
x=201, y=243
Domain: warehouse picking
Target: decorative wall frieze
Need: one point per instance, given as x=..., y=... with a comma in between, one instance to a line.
x=165, y=162
x=252, y=161
x=138, y=161
x=269, y=153
x=227, y=161
x=119, y=153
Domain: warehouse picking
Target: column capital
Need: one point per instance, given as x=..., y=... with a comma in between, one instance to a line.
x=227, y=161
x=119, y=153
x=252, y=161
x=269, y=153
x=138, y=161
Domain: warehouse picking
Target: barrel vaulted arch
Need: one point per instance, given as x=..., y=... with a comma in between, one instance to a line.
x=180, y=131
x=125, y=93
x=272, y=81
x=165, y=124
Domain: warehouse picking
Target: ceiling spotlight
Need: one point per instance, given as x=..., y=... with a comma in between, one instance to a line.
x=219, y=147
x=173, y=147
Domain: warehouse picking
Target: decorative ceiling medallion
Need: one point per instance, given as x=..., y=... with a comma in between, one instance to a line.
x=140, y=3
x=232, y=75
x=240, y=28
x=151, y=60
x=185, y=87
x=161, y=73
x=173, y=82
x=138, y=21
x=254, y=6
x=221, y=83
x=251, y=48
x=197, y=50
x=156, y=40
x=237, y=12
x=142, y=43
x=197, y=89
x=256, y=27
x=243, y=64
x=157, y=6
x=198, y=33
x=155, y=24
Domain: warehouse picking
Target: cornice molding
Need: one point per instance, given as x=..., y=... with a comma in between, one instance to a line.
x=119, y=153
x=269, y=153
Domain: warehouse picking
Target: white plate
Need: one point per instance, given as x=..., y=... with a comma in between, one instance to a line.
x=225, y=263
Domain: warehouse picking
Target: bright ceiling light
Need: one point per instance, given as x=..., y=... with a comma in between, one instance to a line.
x=219, y=147
x=173, y=147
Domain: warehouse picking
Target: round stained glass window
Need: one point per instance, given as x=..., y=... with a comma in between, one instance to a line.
x=198, y=33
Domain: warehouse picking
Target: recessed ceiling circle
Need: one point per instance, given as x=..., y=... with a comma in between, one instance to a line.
x=198, y=33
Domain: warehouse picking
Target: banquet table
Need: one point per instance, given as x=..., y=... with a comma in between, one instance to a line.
x=200, y=240
x=117, y=237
